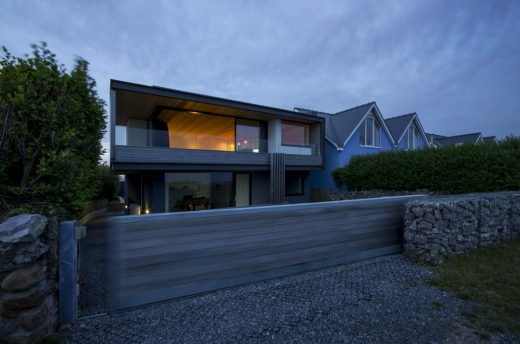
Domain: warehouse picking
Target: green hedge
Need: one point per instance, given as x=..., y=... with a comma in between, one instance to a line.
x=462, y=169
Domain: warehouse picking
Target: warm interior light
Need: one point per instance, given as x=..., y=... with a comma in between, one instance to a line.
x=147, y=211
x=126, y=207
x=245, y=142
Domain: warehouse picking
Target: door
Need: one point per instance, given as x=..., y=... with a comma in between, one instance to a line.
x=242, y=194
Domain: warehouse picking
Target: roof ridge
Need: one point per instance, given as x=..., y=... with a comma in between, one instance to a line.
x=355, y=107
x=406, y=114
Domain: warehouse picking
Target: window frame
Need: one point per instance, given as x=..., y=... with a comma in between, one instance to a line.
x=375, y=130
x=307, y=133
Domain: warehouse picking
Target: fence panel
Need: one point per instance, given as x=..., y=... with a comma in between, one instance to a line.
x=162, y=256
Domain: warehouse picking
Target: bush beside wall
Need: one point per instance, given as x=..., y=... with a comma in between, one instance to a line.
x=452, y=170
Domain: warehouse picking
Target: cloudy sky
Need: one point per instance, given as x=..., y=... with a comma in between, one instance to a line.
x=455, y=63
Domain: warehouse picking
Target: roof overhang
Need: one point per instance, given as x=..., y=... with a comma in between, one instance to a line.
x=139, y=102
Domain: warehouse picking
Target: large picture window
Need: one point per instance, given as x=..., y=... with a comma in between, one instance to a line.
x=370, y=132
x=295, y=134
x=192, y=130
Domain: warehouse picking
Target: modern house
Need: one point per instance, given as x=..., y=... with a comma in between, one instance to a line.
x=356, y=131
x=407, y=132
x=184, y=151
x=457, y=140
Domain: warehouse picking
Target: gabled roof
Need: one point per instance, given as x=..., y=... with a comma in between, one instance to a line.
x=460, y=139
x=340, y=127
x=490, y=139
x=399, y=124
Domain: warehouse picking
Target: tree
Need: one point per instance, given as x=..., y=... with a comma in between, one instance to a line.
x=51, y=125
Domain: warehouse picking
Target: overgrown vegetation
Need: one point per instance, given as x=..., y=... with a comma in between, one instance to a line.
x=51, y=125
x=489, y=277
x=462, y=169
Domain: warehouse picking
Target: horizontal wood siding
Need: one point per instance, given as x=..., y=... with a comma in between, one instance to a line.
x=157, y=257
x=158, y=155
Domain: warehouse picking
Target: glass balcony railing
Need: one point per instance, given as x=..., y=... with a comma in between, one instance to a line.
x=141, y=137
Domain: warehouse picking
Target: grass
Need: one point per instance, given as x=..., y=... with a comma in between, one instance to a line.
x=490, y=278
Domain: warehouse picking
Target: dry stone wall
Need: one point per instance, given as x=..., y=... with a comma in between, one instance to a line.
x=437, y=227
x=28, y=278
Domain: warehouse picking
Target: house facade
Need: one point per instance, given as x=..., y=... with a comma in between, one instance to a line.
x=183, y=151
x=456, y=140
x=357, y=131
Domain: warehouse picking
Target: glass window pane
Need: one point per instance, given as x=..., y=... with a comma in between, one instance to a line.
x=295, y=134
x=198, y=191
x=377, y=135
x=370, y=131
x=293, y=183
x=251, y=136
x=362, y=133
x=192, y=130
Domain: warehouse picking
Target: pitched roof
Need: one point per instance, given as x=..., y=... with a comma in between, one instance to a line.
x=340, y=126
x=398, y=124
x=490, y=139
x=459, y=139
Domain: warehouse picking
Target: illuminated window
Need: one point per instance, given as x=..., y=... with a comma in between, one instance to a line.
x=192, y=130
x=295, y=134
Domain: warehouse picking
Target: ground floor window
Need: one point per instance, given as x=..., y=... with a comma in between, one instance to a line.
x=294, y=184
x=186, y=191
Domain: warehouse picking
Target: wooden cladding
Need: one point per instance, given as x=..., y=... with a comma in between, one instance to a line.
x=277, y=177
x=158, y=257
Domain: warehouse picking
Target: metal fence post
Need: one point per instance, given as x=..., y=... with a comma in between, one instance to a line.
x=68, y=274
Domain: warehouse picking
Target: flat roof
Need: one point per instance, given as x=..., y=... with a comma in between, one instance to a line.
x=139, y=101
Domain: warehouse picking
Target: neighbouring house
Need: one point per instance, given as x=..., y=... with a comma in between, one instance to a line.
x=407, y=132
x=457, y=140
x=356, y=131
x=490, y=139
x=184, y=151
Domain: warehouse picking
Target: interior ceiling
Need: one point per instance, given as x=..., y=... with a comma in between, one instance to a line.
x=132, y=105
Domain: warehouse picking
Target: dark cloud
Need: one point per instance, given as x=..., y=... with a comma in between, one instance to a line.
x=457, y=63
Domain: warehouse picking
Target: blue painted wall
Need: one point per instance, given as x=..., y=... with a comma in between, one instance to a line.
x=335, y=159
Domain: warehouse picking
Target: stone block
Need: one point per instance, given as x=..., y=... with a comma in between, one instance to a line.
x=14, y=303
x=34, y=317
x=24, y=278
x=22, y=228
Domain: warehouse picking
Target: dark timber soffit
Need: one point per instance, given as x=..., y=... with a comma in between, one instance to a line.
x=195, y=97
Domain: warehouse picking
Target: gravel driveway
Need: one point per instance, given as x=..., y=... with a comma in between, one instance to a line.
x=381, y=300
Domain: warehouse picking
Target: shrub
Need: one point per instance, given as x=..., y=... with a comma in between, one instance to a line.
x=108, y=183
x=451, y=169
x=51, y=125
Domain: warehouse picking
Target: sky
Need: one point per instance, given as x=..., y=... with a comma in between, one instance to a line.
x=455, y=63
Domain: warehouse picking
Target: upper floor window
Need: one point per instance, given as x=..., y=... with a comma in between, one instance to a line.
x=370, y=132
x=412, y=137
x=251, y=136
x=295, y=134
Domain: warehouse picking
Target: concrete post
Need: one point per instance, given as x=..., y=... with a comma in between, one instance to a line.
x=68, y=269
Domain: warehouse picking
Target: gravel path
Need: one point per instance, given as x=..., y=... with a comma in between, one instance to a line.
x=381, y=300
x=92, y=298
